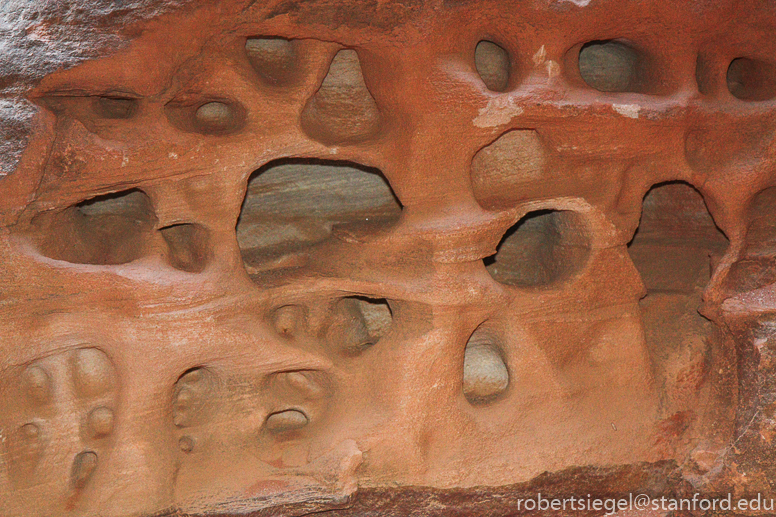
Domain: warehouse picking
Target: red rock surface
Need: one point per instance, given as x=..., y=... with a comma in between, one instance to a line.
x=385, y=257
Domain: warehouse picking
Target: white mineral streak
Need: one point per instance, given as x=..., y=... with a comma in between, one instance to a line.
x=627, y=110
x=499, y=111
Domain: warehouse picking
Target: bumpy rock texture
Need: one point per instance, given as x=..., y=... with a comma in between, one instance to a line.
x=384, y=258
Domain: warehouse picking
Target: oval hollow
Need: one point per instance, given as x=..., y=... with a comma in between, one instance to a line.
x=292, y=205
x=611, y=66
x=110, y=229
x=485, y=372
x=751, y=79
x=492, y=64
x=543, y=248
x=274, y=59
x=208, y=117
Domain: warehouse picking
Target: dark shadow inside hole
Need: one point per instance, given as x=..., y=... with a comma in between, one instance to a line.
x=543, y=248
x=377, y=314
x=294, y=204
x=674, y=250
x=105, y=230
x=492, y=63
x=676, y=239
x=358, y=324
x=612, y=66
x=506, y=169
x=751, y=79
x=757, y=266
x=187, y=247
x=115, y=107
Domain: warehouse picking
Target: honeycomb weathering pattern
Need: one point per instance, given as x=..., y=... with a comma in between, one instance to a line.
x=286, y=257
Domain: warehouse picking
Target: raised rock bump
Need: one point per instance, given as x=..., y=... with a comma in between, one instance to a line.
x=25, y=448
x=193, y=376
x=184, y=400
x=214, y=116
x=30, y=431
x=101, y=421
x=92, y=372
x=186, y=444
x=38, y=384
x=287, y=320
x=305, y=383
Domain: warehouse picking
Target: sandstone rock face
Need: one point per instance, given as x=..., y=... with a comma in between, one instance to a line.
x=384, y=258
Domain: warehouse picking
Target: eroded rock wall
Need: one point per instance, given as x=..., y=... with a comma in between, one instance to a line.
x=379, y=256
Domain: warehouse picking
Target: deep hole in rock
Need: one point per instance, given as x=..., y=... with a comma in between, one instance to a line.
x=377, y=313
x=504, y=170
x=674, y=250
x=752, y=79
x=343, y=110
x=187, y=246
x=492, y=63
x=611, y=66
x=676, y=239
x=105, y=230
x=543, y=248
x=757, y=266
x=294, y=204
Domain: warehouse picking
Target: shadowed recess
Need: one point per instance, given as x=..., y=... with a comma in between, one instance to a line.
x=96, y=112
x=187, y=246
x=751, y=79
x=115, y=107
x=757, y=266
x=358, y=323
x=485, y=373
x=545, y=247
x=105, y=230
x=274, y=59
x=676, y=239
x=492, y=63
x=207, y=117
x=674, y=250
x=703, y=74
x=192, y=397
x=502, y=170
x=292, y=205
x=342, y=111
x=611, y=66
